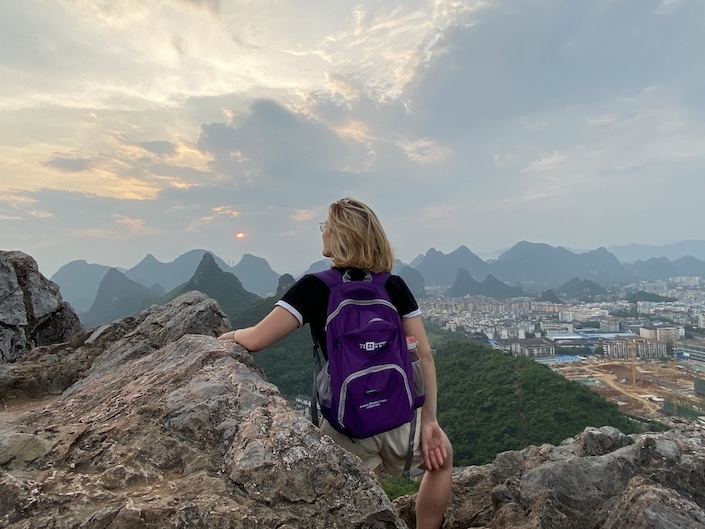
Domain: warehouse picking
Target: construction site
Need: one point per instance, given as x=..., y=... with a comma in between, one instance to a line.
x=654, y=389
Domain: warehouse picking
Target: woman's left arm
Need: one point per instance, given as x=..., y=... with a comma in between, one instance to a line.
x=273, y=327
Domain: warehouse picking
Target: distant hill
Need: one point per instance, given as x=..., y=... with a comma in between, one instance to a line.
x=492, y=287
x=414, y=280
x=647, y=296
x=256, y=275
x=118, y=296
x=654, y=268
x=689, y=266
x=441, y=269
x=630, y=253
x=546, y=264
x=222, y=286
x=318, y=266
x=78, y=282
x=169, y=275
x=581, y=290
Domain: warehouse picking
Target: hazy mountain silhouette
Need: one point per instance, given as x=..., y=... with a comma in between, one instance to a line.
x=79, y=282
x=416, y=261
x=441, y=269
x=414, y=280
x=529, y=263
x=118, y=296
x=654, y=268
x=222, y=286
x=491, y=287
x=630, y=253
x=169, y=275
x=689, y=266
x=581, y=289
x=546, y=264
x=318, y=266
x=256, y=275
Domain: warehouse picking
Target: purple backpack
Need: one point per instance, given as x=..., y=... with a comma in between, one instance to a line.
x=367, y=386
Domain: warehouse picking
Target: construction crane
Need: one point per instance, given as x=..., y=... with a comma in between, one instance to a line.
x=632, y=355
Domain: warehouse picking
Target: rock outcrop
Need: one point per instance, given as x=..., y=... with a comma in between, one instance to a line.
x=32, y=312
x=161, y=425
x=599, y=479
x=151, y=422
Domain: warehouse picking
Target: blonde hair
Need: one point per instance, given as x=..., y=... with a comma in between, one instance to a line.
x=357, y=237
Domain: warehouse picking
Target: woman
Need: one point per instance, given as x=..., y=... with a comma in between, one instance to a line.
x=354, y=240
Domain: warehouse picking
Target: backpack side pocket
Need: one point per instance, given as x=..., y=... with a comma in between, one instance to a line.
x=324, y=391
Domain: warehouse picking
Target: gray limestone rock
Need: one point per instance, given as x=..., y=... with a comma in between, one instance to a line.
x=162, y=427
x=32, y=312
x=599, y=479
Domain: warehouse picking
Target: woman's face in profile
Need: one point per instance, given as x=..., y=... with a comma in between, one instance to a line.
x=326, y=237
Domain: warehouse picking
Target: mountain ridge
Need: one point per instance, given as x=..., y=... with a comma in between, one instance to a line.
x=528, y=263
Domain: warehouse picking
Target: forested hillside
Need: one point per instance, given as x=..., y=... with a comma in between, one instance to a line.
x=488, y=401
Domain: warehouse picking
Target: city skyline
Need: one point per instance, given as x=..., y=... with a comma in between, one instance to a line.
x=162, y=126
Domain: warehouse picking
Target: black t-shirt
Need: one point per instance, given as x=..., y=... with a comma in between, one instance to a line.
x=307, y=300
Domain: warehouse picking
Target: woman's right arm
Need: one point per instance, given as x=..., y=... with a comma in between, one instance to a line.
x=432, y=437
x=273, y=327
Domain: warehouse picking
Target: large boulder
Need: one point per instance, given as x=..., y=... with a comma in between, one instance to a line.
x=162, y=425
x=32, y=312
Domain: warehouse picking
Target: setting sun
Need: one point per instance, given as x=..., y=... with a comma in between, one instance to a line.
x=240, y=235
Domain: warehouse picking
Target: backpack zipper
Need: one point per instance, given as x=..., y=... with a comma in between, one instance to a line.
x=362, y=302
x=358, y=374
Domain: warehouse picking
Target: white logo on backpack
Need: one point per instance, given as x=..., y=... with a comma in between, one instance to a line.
x=372, y=346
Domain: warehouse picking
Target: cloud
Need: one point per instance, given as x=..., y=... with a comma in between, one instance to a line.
x=160, y=147
x=213, y=6
x=71, y=165
x=276, y=150
x=172, y=124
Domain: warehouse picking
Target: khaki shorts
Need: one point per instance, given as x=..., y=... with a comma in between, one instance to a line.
x=389, y=449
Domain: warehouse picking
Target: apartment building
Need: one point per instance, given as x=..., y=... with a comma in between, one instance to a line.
x=536, y=348
x=643, y=349
x=610, y=324
x=661, y=333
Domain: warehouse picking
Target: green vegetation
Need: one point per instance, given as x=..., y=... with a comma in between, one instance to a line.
x=550, y=296
x=641, y=295
x=491, y=402
x=574, y=351
x=399, y=486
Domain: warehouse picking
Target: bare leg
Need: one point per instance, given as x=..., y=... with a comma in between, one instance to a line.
x=434, y=492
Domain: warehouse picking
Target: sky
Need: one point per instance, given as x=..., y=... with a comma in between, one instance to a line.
x=137, y=127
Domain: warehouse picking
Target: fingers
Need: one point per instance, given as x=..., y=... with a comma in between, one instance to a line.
x=433, y=449
x=433, y=459
x=436, y=457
